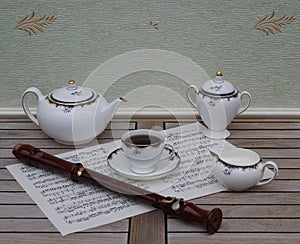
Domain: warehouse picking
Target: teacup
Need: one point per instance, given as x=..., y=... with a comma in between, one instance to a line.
x=144, y=149
x=239, y=169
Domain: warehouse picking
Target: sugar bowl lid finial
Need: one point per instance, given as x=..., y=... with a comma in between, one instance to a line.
x=219, y=73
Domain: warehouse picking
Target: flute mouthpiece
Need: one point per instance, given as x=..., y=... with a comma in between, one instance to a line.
x=22, y=151
x=16, y=149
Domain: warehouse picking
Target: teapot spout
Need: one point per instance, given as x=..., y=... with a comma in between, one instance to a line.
x=110, y=109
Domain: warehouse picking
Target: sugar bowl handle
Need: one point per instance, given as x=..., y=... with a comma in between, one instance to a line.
x=245, y=93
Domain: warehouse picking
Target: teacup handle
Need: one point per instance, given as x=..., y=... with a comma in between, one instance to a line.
x=170, y=147
x=188, y=94
x=275, y=169
x=245, y=93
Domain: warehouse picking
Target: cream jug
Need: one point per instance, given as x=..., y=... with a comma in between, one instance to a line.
x=218, y=102
x=72, y=114
x=239, y=169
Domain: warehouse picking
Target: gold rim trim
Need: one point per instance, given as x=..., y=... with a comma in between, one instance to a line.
x=229, y=95
x=73, y=104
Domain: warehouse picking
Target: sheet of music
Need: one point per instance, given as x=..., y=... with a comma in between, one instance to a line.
x=73, y=207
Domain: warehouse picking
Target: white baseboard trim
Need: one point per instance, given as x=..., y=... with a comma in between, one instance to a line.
x=179, y=113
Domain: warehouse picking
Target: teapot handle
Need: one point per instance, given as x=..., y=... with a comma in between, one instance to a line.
x=188, y=94
x=26, y=109
x=275, y=170
x=245, y=93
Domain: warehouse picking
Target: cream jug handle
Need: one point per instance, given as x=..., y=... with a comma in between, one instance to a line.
x=275, y=170
x=245, y=93
x=26, y=109
x=188, y=94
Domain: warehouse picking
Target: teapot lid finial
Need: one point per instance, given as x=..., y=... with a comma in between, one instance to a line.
x=72, y=85
x=219, y=73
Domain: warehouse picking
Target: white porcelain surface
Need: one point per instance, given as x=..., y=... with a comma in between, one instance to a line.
x=143, y=153
x=122, y=165
x=239, y=157
x=71, y=115
x=218, y=86
x=218, y=103
x=239, y=169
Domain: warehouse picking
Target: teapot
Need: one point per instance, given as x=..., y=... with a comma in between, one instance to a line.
x=239, y=169
x=218, y=102
x=72, y=114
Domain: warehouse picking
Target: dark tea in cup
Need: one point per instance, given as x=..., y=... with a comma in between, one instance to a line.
x=143, y=140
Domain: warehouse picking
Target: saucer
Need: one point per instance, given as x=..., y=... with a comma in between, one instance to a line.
x=119, y=163
x=215, y=134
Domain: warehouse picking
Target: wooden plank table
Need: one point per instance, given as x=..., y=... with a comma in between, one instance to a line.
x=265, y=214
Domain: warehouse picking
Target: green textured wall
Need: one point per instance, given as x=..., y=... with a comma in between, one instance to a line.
x=214, y=34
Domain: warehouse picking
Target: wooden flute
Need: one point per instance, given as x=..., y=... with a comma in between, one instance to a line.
x=188, y=211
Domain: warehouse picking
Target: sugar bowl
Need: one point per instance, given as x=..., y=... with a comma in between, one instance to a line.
x=218, y=102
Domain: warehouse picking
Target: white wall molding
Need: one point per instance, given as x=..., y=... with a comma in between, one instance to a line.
x=180, y=113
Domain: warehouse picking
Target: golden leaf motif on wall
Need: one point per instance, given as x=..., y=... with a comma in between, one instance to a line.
x=32, y=25
x=154, y=25
x=271, y=25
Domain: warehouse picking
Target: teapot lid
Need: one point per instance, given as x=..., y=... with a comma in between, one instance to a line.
x=72, y=95
x=218, y=86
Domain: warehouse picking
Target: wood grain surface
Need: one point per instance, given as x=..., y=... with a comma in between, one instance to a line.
x=265, y=214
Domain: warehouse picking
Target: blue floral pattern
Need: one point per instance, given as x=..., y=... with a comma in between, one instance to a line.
x=67, y=109
x=227, y=171
x=136, y=152
x=216, y=87
x=76, y=93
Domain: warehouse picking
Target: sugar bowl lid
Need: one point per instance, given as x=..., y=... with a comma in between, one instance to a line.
x=218, y=86
x=72, y=95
